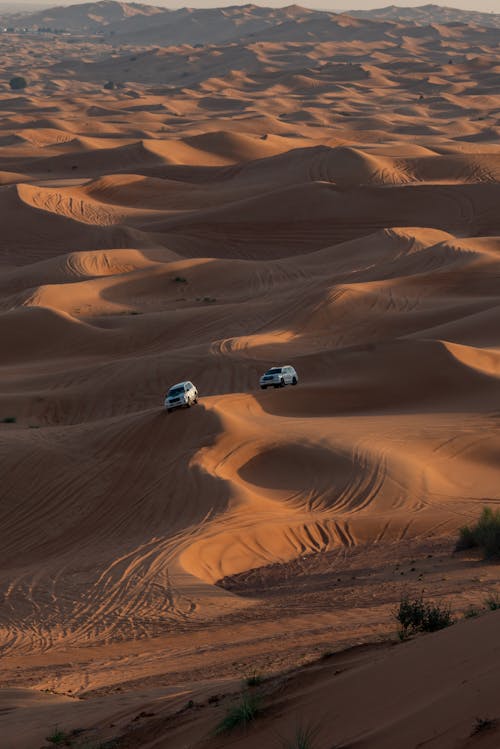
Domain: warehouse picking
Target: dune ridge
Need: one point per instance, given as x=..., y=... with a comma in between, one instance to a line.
x=252, y=187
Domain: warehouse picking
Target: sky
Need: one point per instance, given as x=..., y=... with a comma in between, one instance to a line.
x=332, y=5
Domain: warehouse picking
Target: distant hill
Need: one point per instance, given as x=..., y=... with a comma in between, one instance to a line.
x=144, y=25
x=211, y=25
x=426, y=14
x=85, y=17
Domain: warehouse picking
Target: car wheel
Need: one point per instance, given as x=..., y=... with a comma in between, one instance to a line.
x=282, y=383
x=196, y=399
x=294, y=381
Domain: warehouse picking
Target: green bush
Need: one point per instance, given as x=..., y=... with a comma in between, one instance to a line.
x=241, y=714
x=436, y=618
x=484, y=535
x=415, y=616
x=57, y=737
x=17, y=83
x=466, y=539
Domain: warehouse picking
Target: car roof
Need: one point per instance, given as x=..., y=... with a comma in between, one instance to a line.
x=180, y=384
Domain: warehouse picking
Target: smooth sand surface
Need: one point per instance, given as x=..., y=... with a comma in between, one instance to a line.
x=323, y=193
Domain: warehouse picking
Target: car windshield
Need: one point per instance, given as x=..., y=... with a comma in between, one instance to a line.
x=274, y=370
x=175, y=391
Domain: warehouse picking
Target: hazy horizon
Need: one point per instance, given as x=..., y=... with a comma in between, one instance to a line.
x=484, y=6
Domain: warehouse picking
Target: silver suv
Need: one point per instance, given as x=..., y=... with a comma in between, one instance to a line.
x=182, y=395
x=278, y=377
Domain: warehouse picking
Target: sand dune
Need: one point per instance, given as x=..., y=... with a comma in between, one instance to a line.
x=276, y=186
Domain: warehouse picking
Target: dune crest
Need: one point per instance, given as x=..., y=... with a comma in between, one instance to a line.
x=202, y=194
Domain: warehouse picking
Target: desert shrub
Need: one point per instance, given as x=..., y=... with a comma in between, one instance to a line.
x=485, y=534
x=304, y=738
x=410, y=614
x=414, y=615
x=109, y=85
x=247, y=710
x=471, y=612
x=492, y=602
x=466, y=539
x=482, y=724
x=436, y=618
x=9, y=420
x=18, y=82
x=57, y=737
x=254, y=680
x=180, y=279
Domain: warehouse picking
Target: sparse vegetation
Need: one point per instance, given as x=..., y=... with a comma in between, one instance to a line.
x=482, y=724
x=254, y=680
x=243, y=713
x=57, y=737
x=180, y=279
x=9, y=420
x=109, y=85
x=484, y=535
x=492, y=602
x=17, y=83
x=466, y=539
x=414, y=615
x=304, y=738
x=75, y=740
x=471, y=612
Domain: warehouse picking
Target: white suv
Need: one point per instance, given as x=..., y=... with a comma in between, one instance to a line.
x=278, y=377
x=182, y=395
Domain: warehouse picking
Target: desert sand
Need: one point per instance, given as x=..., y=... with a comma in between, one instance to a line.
x=257, y=187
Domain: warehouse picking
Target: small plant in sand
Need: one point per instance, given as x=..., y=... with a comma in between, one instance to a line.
x=9, y=420
x=492, y=602
x=482, y=724
x=484, y=535
x=303, y=738
x=414, y=615
x=180, y=279
x=254, y=680
x=57, y=737
x=240, y=715
x=471, y=612
x=17, y=83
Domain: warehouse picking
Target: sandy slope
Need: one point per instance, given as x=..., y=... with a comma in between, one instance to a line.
x=282, y=198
